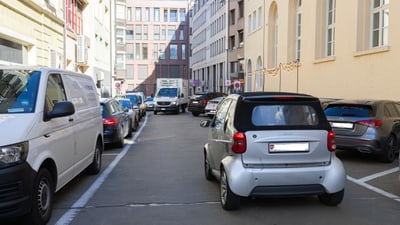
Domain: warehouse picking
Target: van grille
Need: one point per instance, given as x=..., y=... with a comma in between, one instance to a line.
x=163, y=103
x=10, y=191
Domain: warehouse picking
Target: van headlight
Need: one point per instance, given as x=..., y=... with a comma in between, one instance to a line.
x=13, y=154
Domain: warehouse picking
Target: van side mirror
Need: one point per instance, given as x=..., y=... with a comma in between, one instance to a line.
x=60, y=109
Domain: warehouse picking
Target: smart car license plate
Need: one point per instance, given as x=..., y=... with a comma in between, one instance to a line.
x=342, y=125
x=289, y=147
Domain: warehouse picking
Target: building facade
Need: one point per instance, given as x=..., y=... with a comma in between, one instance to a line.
x=327, y=48
x=156, y=43
x=32, y=33
x=209, y=46
x=236, y=61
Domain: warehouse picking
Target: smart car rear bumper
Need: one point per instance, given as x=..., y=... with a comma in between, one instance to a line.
x=284, y=181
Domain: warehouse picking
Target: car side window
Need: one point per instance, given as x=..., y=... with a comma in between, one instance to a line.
x=55, y=91
x=397, y=106
x=222, y=112
x=390, y=110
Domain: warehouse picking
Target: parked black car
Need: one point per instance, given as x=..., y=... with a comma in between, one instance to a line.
x=198, y=102
x=368, y=126
x=115, y=122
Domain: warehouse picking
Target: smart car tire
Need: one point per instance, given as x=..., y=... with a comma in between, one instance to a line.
x=333, y=199
x=229, y=200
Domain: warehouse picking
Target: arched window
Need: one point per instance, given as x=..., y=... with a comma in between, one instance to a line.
x=259, y=75
x=273, y=36
x=249, y=76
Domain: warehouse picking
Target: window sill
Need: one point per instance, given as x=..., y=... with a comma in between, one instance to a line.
x=324, y=60
x=372, y=51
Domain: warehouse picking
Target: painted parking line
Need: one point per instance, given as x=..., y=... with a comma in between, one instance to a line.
x=362, y=182
x=69, y=216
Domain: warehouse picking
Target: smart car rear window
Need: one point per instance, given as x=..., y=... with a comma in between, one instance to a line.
x=284, y=115
x=350, y=110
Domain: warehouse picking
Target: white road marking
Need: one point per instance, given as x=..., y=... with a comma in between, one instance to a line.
x=362, y=183
x=68, y=216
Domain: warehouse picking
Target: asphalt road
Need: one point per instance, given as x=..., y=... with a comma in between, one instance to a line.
x=157, y=178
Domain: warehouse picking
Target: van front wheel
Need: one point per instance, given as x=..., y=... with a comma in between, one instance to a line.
x=42, y=198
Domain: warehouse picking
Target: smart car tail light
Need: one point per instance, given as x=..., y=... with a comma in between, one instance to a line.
x=239, y=143
x=370, y=123
x=331, y=141
x=110, y=122
x=204, y=101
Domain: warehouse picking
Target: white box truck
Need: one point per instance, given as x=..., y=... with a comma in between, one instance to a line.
x=171, y=95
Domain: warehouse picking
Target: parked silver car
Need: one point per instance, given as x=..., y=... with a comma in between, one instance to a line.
x=368, y=126
x=211, y=107
x=272, y=144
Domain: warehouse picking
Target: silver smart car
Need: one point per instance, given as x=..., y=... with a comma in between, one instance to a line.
x=272, y=144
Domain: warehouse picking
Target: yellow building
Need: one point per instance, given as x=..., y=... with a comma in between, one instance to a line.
x=31, y=33
x=327, y=48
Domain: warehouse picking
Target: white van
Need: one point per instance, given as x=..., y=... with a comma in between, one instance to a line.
x=51, y=130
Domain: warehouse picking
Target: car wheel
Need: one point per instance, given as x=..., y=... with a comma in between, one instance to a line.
x=333, y=199
x=95, y=166
x=120, y=141
x=130, y=129
x=155, y=112
x=42, y=200
x=389, y=153
x=207, y=168
x=229, y=200
x=195, y=113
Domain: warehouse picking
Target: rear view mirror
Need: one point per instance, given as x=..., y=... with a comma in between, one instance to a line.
x=205, y=123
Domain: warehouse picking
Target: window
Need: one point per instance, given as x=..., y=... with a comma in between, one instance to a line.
x=240, y=38
x=156, y=14
x=173, y=15
x=182, y=15
x=162, y=51
x=142, y=72
x=137, y=51
x=284, y=115
x=74, y=16
x=147, y=15
x=181, y=33
x=171, y=33
x=163, y=33
x=145, y=32
x=155, y=52
x=130, y=72
x=129, y=33
x=138, y=14
x=138, y=31
x=129, y=14
x=379, y=23
x=330, y=33
x=183, y=46
x=232, y=42
x=165, y=15
x=145, y=50
x=55, y=91
x=241, y=9
x=156, y=29
x=232, y=17
x=173, y=52
x=129, y=51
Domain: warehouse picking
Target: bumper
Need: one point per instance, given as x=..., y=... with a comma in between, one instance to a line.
x=111, y=135
x=284, y=181
x=172, y=108
x=16, y=184
x=361, y=144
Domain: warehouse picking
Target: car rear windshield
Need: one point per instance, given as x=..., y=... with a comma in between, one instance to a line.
x=272, y=114
x=350, y=110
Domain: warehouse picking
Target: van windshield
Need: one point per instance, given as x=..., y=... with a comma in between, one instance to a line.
x=18, y=90
x=167, y=92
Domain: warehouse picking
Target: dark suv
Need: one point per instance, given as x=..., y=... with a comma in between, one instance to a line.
x=272, y=144
x=198, y=101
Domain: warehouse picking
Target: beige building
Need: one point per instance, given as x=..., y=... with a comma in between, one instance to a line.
x=31, y=33
x=327, y=48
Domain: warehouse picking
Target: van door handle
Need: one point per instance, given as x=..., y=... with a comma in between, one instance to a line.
x=70, y=119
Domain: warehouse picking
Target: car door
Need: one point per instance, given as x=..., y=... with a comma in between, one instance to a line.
x=217, y=138
x=59, y=138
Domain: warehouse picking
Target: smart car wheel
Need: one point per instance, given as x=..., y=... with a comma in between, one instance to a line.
x=229, y=200
x=333, y=199
x=389, y=153
x=207, y=168
x=42, y=199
